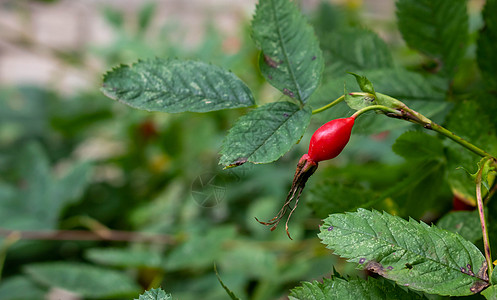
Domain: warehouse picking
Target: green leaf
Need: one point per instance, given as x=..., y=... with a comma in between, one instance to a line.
x=351, y=289
x=155, y=294
x=417, y=145
x=465, y=223
x=461, y=121
x=228, y=291
x=265, y=134
x=42, y=196
x=358, y=101
x=200, y=250
x=20, y=288
x=176, y=86
x=421, y=257
x=354, y=49
x=331, y=196
x=291, y=59
x=118, y=257
x=145, y=15
x=487, y=61
x=364, y=84
x=86, y=280
x=490, y=293
x=437, y=28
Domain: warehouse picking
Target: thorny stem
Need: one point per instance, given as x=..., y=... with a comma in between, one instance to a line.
x=481, y=212
x=331, y=104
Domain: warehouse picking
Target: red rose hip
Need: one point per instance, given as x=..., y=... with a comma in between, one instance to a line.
x=330, y=139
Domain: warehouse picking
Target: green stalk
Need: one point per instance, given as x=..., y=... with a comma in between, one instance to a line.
x=375, y=107
x=331, y=104
x=481, y=213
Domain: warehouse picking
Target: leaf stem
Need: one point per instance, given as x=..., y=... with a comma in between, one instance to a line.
x=376, y=107
x=481, y=212
x=331, y=104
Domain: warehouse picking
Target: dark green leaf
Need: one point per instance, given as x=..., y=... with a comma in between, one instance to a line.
x=114, y=17
x=265, y=134
x=176, y=86
x=20, y=288
x=465, y=223
x=155, y=294
x=437, y=28
x=124, y=257
x=291, y=59
x=354, y=49
x=331, y=196
x=41, y=198
x=417, y=145
x=413, y=254
x=487, y=60
x=351, y=289
x=86, y=280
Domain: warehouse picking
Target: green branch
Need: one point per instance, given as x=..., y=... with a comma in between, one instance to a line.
x=329, y=105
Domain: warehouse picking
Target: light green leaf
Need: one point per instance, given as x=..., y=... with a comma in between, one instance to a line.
x=465, y=223
x=40, y=200
x=351, y=289
x=437, y=28
x=176, y=86
x=490, y=293
x=86, y=280
x=364, y=84
x=118, y=257
x=20, y=288
x=354, y=49
x=417, y=145
x=358, y=101
x=265, y=134
x=421, y=257
x=155, y=294
x=145, y=15
x=487, y=60
x=291, y=59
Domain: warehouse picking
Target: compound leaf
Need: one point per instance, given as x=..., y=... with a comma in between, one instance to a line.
x=176, y=86
x=155, y=294
x=265, y=134
x=291, y=59
x=421, y=257
x=86, y=280
x=437, y=28
x=352, y=289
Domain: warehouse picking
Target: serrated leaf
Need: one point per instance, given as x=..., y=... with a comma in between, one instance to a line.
x=265, y=134
x=437, y=28
x=86, y=280
x=20, y=288
x=351, y=289
x=124, y=257
x=421, y=257
x=354, y=49
x=487, y=61
x=291, y=59
x=39, y=201
x=176, y=86
x=465, y=223
x=417, y=145
x=155, y=294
